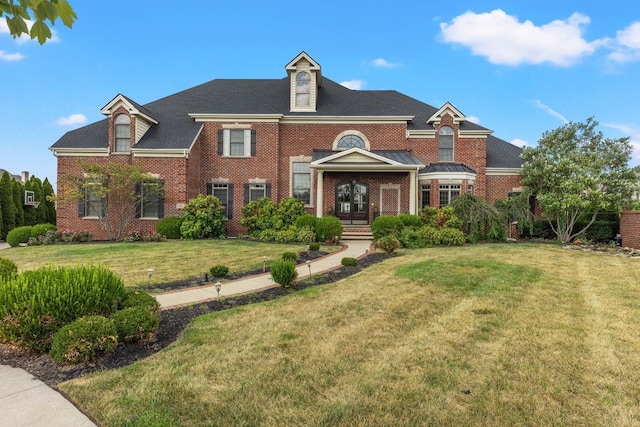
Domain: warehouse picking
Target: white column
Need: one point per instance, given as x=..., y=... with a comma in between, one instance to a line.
x=319, y=195
x=413, y=192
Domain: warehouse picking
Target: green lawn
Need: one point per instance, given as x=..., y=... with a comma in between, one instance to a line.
x=171, y=260
x=491, y=335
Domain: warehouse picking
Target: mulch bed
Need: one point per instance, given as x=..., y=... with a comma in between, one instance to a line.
x=172, y=323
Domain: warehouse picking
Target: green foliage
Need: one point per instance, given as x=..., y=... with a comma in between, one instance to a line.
x=38, y=194
x=8, y=269
x=290, y=256
x=19, y=235
x=49, y=201
x=169, y=227
x=40, y=229
x=389, y=243
x=84, y=339
x=29, y=212
x=479, y=220
x=138, y=298
x=7, y=205
x=18, y=200
x=411, y=238
x=135, y=324
x=386, y=225
x=284, y=273
x=37, y=303
x=314, y=246
x=42, y=14
x=433, y=236
x=517, y=209
x=306, y=220
x=328, y=229
x=288, y=235
x=202, y=218
x=288, y=212
x=219, y=270
x=258, y=215
x=410, y=220
x=575, y=170
x=349, y=261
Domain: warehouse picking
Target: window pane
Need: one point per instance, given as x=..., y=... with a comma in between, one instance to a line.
x=221, y=191
x=351, y=141
x=302, y=99
x=426, y=195
x=236, y=149
x=149, y=200
x=93, y=205
x=256, y=191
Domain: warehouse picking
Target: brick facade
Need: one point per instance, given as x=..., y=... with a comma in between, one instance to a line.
x=630, y=229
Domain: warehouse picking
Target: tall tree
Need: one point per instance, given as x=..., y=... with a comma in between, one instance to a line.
x=18, y=201
x=8, y=205
x=576, y=171
x=49, y=201
x=42, y=14
x=41, y=211
x=117, y=185
x=29, y=211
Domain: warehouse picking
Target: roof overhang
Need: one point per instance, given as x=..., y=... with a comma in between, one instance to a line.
x=448, y=176
x=239, y=118
x=449, y=109
x=80, y=152
x=503, y=171
x=357, y=159
x=348, y=119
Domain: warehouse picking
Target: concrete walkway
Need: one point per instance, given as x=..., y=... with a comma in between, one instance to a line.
x=26, y=401
x=352, y=248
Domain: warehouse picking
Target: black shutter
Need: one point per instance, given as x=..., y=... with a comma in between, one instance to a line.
x=103, y=214
x=267, y=190
x=161, y=198
x=229, y=201
x=253, y=142
x=139, y=200
x=81, y=202
x=220, y=142
x=246, y=194
x=209, y=189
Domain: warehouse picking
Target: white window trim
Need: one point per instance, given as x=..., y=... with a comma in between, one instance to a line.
x=142, y=215
x=367, y=144
x=453, y=144
x=226, y=139
x=302, y=159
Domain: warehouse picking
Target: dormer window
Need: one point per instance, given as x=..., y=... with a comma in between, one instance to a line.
x=122, y=124
x=303, y=89
x=445, y=144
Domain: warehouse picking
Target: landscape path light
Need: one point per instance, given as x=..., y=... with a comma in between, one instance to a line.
x=218, y=286
x=150, y=273
x=309, y=265
x=264, y=264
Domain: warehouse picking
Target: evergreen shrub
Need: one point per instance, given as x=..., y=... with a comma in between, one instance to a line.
x=84, y=339
x=284, y=273
x=19, y=235
x=169, y=227
x=135, y=324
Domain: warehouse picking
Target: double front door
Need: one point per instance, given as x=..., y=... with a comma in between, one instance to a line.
x=352, y=202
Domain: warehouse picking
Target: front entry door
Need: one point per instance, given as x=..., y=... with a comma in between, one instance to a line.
x=352, y=202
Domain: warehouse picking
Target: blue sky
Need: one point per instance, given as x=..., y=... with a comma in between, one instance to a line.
x=518, y=68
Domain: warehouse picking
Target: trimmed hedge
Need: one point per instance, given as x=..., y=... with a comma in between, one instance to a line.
x=138, y=298
x=19, y=235
x=37, y=303
x=135, y=324
x=8, y=269
x=219, y=270
x=349, y=261
x=328, y=229
x=84, y=340
x=169, y=227
x=41, y=229
x=386, y=225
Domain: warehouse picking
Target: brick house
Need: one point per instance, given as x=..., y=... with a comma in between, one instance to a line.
x=354, y=154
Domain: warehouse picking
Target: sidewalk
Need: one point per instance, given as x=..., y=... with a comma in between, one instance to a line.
x=353, y=248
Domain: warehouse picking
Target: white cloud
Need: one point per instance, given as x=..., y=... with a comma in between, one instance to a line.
x=520, y=143
x=473, y=119
x=5, y=56
x=502, y=39
x=548, y=109
x=383, y=63
x=74, y=119
x=626, y=45
x=353, y=84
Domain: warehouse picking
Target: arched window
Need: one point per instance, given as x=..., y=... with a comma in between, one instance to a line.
x=445, y=144
x=123, y=133
x=303, y=89
x=350, y=141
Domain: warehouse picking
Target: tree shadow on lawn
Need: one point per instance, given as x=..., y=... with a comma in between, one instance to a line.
x=172, y=323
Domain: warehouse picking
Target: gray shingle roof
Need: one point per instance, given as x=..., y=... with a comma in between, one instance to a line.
x=177, y=130
x=501, y=154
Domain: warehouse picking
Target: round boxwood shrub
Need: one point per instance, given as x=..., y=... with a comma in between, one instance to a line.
x=135, y=324
x=19, y=235
x=139, y=298
x=41, y=229
x=389, y=244
x=386, y=225
x=284, y=273
x=328, y=229
x=349, y=262
x=306, y=220
x=84, y=339
x=8, y=269
x=169, y=227
x=290, y=256
x=314, y=246
x=202, y=218
x=219, y=270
